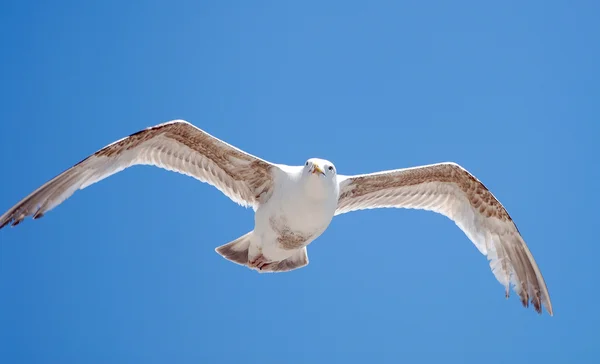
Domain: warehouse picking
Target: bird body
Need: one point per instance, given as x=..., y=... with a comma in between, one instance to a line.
x=294, y=205
x=300, y=209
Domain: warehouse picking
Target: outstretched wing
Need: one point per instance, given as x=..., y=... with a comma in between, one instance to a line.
x=176, y=146
x=450, y=190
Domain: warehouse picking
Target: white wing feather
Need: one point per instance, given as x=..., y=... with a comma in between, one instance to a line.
x=450, y=190
x=175, y=146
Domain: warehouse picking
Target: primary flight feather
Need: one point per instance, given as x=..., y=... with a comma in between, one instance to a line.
x=294, y=205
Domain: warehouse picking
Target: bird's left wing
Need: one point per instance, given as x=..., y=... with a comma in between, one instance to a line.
x=450, y=190
x=176, y=146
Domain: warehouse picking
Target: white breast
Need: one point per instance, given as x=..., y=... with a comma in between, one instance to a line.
x=299, y=210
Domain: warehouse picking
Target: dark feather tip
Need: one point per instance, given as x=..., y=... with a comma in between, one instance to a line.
x=537, y=305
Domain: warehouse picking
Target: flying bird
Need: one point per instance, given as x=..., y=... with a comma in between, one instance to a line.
x=294, y=205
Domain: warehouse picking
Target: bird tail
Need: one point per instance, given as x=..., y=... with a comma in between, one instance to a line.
x=237, y=250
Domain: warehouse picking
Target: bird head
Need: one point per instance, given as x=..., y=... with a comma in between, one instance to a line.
x=319, y=168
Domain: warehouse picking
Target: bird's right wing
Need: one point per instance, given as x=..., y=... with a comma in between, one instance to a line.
x=450, y=190
x=176, y=146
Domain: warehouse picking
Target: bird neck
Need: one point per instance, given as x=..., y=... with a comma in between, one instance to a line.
x=318, y=188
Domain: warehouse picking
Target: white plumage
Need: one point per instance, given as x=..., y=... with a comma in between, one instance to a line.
x=294, y=205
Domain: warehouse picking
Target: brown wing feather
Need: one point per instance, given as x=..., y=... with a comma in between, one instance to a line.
x=449, y=189
x=479, y=195
x=177, y=146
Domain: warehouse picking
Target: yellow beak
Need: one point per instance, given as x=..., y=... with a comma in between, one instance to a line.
x=317, y=169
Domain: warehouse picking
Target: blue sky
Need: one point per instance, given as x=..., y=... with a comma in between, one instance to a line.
x=125, y=271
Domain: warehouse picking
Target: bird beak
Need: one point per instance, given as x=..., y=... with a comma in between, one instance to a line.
x=317, y=169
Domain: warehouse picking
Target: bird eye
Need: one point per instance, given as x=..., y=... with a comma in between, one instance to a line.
x=306, y=163
x=330, y=168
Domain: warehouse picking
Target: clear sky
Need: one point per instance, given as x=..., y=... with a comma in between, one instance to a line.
x=125, y=271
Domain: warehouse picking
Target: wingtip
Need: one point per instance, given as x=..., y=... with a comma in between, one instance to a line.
x=38, y=215
x=538, y=305
x=16, y=222
x=549, y=312
x=549, y=308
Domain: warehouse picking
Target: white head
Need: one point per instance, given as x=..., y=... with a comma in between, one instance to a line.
x=320, y=175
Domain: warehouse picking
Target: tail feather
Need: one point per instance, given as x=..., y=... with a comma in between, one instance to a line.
x=298, y=260
x=237, y=250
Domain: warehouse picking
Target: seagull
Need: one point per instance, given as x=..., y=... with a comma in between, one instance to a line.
x=294, y=205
